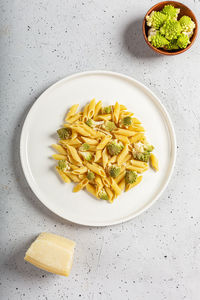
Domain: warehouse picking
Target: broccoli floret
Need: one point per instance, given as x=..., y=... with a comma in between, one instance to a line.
x=90, y=175
x=172, y=45
x=109, y=126
x=183, y=41
x=148, y=148
x=107, y=110
x=171, y=11
x=84, y=147
x=127, y=121
x=64, y=133
x=130, y=177
x=63, y=165
x=158, y=40
x=103, y=195
x=143, y=156
x=171, y=29
x=89, y=122
x=187, y=24
x=114, y=148
x=114, y=171
x=156, y=19
x=86, y=155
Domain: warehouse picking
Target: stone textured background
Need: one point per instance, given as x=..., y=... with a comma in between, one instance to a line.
x=156, y=255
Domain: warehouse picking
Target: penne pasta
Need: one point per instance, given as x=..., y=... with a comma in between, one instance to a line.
x=110, y=194
x=122, y=184
x=154, y=162
x=97, y=155
x=59, y=148
x=96, y=169
x=90, y=141
x=72, y=111
x=97, y=108
x=116, y=112
x=59, y=156
x=85, y=113
x=74, y=118
x=74, y=154
x=122, y=107
x=91, y=108
x=124, y=132
x=124, y=139
x=131, y=185
x=79, y=171
x=136, y=138
x=115, y=187
x=103, y=142
x=91, y=190
x=64, y=177
x=104, y=157
x=122, y=155
x=80, y=185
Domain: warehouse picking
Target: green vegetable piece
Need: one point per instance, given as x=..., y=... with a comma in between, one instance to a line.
x=109, y=126
x=156, y=19
x=64, y=133
x=127, y=121
x=148, y=148
x=171, y=11
x=114, y=171
x=89, y=122
x=107, y=110
x=86, y=155
x=130, y=177
x=183, y=41
x=63, y=165
x=142, y=156
x=90, y=176
x=114, y=148
x=84, y=147
x=158, y=40
x=103, y=195
x=171, y=29
x=172, y=45
x=186, y=24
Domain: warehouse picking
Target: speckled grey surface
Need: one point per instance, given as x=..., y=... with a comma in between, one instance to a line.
x=155, y=256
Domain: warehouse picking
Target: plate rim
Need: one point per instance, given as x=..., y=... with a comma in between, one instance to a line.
x=158, y=103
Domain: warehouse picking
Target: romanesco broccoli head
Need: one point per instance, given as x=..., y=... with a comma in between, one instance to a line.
x=171, y=11
x=86, y=155
x=107, y=110
x=84, y=147
x=158, y=40
x=130, y=177
x=172, y=45
x=114, y=171
x=109, y=126
x=114, y=147
x=63, y=165
x=171, y=29
x=148, y=148
x=90, y=176
x=156, y=19
x=89, y=122
x=64, y=133
x=183, y=41
x=186, y=24
x=143, y=156
x=127, y=121
x=103, y=195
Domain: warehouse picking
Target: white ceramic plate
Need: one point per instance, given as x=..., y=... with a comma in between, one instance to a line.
x=47, y=115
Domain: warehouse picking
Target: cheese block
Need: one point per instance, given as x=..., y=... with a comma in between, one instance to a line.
x=52, y=253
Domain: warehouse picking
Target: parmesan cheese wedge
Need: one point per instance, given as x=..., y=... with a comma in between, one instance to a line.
x=51, y=253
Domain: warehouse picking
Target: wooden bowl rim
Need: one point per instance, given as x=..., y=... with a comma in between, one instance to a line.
x=166, y=52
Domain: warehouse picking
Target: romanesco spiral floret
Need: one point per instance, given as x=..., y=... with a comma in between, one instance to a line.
x=106, y=110
x=86, y=155
x=171, y=29
x=130, y=177
x=109, y=126
x=172, y=45
x=187, y=24
x=183, y=41
x=114, y=147
x=64, y=133
x=84, y=147
x=158, y=40
x=114, y=171
x=143, y=156
x=63, y=165
x=103, y=195
x=127, y=121
x=171, y=11
x=90, y=176
x=156, y=19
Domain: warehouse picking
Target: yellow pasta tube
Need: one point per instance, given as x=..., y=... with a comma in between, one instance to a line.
x=91, y=108
x=89, y=130
x=138, y=163
x=120, y=176
x=127, y=158
x=122, y=107
x=137, y=169
x=59, y=148
x=116, y=112
x=96, y=169
x=122, y=155
x=59, y=156
x=85, y=113
x=74, y=118
x=103, y=142
x=70, y=142
x=97, y=108
x=107, y=117
x=110, y=194
x=80, y=185
x=99, y=184
x=131, y=185
x=106, y=181
x=136, y=128
x=79, y=171
x=97, y=155
x=135, y=121
x=81, y=130
x=104, y=157
x=73, y=177
x=72, y=111
x=74, y=154
x=113, y=159
x=136, y=138
x=154, y=162
x=64, y=177
x=122, y=184
x=124, y=132
x=115, y=187
x=90, y=141
x=91, y=190
x=122, y=138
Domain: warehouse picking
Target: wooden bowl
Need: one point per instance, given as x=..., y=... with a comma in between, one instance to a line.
x=184, y=10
